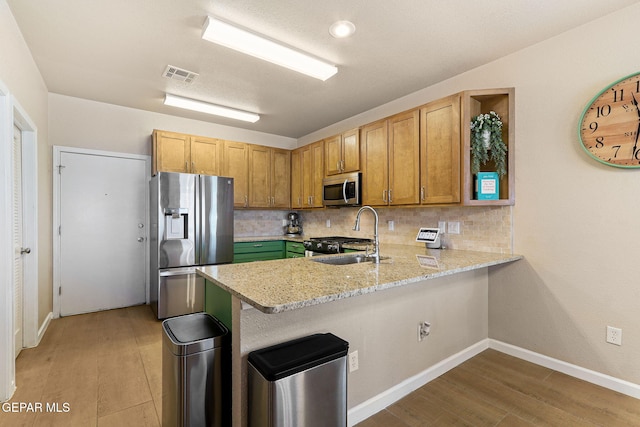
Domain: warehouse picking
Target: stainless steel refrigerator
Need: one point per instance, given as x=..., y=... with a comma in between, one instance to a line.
x=191, y=225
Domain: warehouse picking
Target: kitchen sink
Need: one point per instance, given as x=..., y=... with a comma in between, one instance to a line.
x=343, y=260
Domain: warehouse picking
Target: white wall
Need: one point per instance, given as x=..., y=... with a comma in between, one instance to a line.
x=575, y=220
x=76, y=122
x=19, y=73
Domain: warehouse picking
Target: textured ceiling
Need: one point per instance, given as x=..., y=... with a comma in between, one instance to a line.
x=115, y=51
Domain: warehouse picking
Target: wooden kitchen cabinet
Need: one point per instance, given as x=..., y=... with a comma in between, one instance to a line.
x=391, y=160
x=474, y=102
x=206, y=155
x=307, y=173
x=342, y=153
x=296, y=179
x=177, y=152
x=269, y=177
x=440, y=151
x=236, y=166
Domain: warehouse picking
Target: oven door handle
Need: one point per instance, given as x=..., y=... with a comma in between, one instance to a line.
x=344, y=191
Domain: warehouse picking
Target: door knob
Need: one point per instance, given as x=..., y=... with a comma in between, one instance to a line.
x=140, y=239
x=25, y=251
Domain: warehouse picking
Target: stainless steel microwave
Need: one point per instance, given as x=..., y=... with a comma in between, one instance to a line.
x=342, y=190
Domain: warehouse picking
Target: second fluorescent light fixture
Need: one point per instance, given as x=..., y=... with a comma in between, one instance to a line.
x=205, y=107
x=224, y=34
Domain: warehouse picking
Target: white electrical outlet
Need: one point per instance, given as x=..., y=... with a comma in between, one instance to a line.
x=424, y=329
x=614, y=335
x=454, y=227
x=353, y=361
x=442, y=225
x=328, y=223
x=285, y=222
x=392, y=225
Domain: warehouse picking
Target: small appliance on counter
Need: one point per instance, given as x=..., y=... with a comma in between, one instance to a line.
x=430, y=237
x=293, y=228
x=331, y=245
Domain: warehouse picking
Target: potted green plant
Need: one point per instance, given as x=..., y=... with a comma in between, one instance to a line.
x=487, y=143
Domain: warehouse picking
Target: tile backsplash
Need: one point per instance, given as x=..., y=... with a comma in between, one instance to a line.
x=486, y=229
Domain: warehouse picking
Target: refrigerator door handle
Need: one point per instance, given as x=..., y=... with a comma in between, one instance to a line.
x=199, y=208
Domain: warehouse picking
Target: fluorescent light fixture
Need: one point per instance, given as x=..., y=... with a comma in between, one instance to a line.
x=224, y=34
x=205, y=107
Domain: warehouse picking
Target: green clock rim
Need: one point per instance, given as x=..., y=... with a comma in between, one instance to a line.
x=584, y=112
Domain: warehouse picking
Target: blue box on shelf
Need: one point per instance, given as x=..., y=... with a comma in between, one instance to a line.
x=487, y=186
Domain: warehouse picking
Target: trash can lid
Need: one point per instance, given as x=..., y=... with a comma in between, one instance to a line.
x=192, y=333
x=289, y=358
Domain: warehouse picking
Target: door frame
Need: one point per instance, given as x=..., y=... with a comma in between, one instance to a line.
x=11, y=112
x=57, y=152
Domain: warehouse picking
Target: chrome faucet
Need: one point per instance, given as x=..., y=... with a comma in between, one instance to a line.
x=376, y=244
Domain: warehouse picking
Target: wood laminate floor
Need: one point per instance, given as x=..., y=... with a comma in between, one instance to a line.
x=495, y=389
x=107, y=367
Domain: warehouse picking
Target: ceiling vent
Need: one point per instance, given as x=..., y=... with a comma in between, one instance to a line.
x=179, y=74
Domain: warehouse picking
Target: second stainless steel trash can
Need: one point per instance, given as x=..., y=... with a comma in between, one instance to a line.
x=299, y=383
x=195, y=372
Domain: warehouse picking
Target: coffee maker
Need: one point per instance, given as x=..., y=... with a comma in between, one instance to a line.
x=293, y=227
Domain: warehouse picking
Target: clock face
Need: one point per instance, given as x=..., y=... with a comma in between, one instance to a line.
x=610, y=125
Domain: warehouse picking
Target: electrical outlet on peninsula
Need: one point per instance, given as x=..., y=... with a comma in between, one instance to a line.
x=614, y=335
x=353, y=361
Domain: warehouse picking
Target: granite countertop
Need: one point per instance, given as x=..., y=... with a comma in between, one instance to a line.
x=288, y=284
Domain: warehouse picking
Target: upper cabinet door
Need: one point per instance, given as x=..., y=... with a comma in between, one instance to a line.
x=206, y=155
x=259, y=176
x=280, y=178
x=351, y=151
x=236, y=165
x=440, y=151
x=333, y=155
x=296, y=179
x=375, y=164
x=171, y=151
x=404, y=158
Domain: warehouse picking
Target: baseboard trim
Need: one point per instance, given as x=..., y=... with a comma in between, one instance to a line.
x=594, y=377
x=377, y=403
x=43, y=328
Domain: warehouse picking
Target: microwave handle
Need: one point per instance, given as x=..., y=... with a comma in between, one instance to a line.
x=344, y=191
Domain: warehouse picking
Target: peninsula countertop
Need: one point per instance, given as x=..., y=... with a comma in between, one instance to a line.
x=288, y=284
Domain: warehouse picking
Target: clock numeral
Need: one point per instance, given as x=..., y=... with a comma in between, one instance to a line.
x=593, y=126
x=603, y=111
x=636, y=153
x=599, y=142
x=616, y=148
x=616, y=93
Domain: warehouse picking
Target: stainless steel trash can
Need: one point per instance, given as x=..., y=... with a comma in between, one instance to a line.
x=195, y=372
x=299, y=383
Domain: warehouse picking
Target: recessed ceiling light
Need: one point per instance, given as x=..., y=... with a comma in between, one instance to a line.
x=205, y=107
x=225, y=34
x=342, y=29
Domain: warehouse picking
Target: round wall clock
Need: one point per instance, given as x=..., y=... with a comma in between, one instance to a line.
x=609, y=128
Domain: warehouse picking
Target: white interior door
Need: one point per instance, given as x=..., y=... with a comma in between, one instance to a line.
x=102, y=232
x=18, y=250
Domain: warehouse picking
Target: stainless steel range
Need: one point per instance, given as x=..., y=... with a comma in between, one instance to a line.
x=331, y=245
